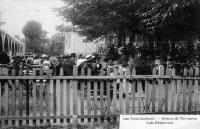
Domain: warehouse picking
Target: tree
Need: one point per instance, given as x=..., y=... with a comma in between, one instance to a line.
x=35, y=36
x=162, y=19
x=32, y=30
x=57, y=45
x=98, y=18
x=64, y=28
x=158, y=20
x=173, y=20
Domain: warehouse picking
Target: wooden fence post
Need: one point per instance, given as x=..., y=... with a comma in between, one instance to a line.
x=108, y=92
x=147, y=89
x=115, y=91
x=51, y=99
x=34, y=94
x=161, y=70
x=191, y=89
x=20, y=71
x=57, y=107
x=13, y=72
x=121, y=91
x=196, y=90
x=13, y=84
x=185, y=72
x=133, y=88
x=173, y=72
x=69, y=94
x=41, y=89
x=184, y=91
x=88, y=93
x=64, y=99
x=153, y=93
x=61, y=72
x=48, y=94
x=127, y=90
x=61, y=92
x=161, y=90
x=173, y=92
x=82, y=85
x=6, y=93
x=167, y=71
x=75, y=102
x=134, y=72
x=179, y=95
x=102, y=93
x=167, y=93
x=154, y=71
x=95, y=97
x=139, y=95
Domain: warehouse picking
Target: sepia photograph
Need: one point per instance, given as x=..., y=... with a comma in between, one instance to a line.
x=99, y=64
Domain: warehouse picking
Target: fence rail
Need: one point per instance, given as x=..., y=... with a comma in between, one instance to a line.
x=37, y=100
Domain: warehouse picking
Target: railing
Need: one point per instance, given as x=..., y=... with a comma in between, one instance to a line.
x=37, y=100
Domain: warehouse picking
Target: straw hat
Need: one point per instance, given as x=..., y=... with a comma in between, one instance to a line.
x=80, y=61
x=89, y=57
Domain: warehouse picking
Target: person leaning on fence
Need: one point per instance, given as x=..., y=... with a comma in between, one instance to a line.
x=4, y=58
x=65, y=65
x=58, y=67
x=71, y=64
x=86, y=64
x=53, y=64
x=130, y=63
x=96, y=67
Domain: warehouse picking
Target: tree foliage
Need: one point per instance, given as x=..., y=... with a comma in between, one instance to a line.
x=33, y=30
x=57, y=45
x=64, y=28
x=175, y=21
x=98, y=18
x=157, y=20
x=35, y=37
x=162, y=19
x=172, y=19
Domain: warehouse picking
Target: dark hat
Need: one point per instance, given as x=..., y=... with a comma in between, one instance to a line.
x=73, y=54
x=89, y=57
x=66, y=56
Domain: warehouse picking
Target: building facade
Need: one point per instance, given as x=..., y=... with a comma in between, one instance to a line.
x=74, y=43
x=10, y=45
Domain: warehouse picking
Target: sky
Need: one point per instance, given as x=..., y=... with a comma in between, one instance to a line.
x=16, y=13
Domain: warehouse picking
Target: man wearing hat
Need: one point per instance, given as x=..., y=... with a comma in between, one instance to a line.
x=123, y=58
x=69, y=62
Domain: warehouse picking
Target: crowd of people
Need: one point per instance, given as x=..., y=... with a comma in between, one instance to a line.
x=92, y=61
x=114, y=59
x=53, y=63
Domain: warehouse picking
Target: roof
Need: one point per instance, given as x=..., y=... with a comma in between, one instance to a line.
x=12, y=37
